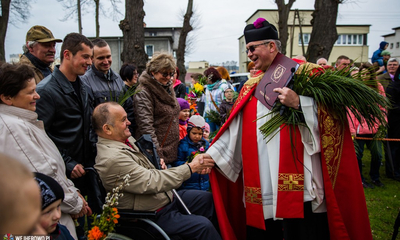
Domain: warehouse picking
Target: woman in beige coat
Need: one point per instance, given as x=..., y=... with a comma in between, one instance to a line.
x=23, y=137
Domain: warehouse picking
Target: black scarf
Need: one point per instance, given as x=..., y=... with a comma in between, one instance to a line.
x=43, y=67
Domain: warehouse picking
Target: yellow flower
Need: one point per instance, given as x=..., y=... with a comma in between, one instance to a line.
x=95, y=234
x=198, y=87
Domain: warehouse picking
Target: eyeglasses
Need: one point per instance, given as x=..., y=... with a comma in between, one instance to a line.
x=253, y=47
x=167, y=74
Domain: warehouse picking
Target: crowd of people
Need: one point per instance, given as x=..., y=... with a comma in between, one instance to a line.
x=58, y=122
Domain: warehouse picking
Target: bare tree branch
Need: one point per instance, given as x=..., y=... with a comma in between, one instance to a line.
x=73, y=11
x=283, y=14
x=11, y=12
x=180, y=53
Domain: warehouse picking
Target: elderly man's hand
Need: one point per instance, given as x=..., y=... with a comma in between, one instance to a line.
x=288, y=97
x=202, y=164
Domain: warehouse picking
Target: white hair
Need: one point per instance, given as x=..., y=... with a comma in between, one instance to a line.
x=321, y=59
x=278, y=44
x=29, y=44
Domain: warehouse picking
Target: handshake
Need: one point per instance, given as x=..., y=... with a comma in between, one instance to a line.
x=202, y=164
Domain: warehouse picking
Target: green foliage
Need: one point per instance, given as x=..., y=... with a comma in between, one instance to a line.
x=107, y=220
x=214, y=117
x=383, y=203
x=127, y=94
x=124, y=95
x=203, y=80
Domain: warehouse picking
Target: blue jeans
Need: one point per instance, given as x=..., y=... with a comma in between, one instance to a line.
x=375, y=147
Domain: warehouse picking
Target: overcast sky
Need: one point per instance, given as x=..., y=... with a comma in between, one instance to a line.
x=221, y=22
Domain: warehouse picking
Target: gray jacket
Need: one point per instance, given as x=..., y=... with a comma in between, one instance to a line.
x=106, y=90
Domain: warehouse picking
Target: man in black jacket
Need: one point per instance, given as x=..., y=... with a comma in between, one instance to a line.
x=65, y=108
x=105, y=84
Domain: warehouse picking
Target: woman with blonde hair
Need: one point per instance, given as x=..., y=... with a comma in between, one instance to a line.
x=156, y=108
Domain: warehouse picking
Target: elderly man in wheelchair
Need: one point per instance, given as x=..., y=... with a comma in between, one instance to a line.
x=150, y=189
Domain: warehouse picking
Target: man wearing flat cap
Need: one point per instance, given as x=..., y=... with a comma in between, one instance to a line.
x=39, y=51
x=278, y=185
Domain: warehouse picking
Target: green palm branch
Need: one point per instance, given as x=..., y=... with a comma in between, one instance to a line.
x=127, y=94
x=214, y=117
x=338, y=93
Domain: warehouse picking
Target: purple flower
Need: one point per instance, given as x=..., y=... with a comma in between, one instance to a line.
x=259, y=22
x=201, y=149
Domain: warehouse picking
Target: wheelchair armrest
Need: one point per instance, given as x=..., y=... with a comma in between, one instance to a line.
x=129, y=214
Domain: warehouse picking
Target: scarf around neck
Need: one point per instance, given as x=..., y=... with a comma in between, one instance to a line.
x=211, y=86
x=181, y=122
x=43, y=67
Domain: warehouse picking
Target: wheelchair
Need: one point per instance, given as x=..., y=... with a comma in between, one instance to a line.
x=136, y=225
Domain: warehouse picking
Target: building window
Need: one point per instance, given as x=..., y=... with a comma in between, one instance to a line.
x=149, y=50
x=397, y=44
x=153, y=34
x=350, y=39
x=391, y=46
x=306, y=38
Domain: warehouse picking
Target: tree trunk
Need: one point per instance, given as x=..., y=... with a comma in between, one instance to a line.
x=132, y=28
x=78, y=2
x=97, y=2
x=180, y=54
x=5, y=13
x=283, y=13
x=323, y=34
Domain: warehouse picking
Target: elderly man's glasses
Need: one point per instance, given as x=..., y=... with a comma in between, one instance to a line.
x=171, y=74
x=253, y=47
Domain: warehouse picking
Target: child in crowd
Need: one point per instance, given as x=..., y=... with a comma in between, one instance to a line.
x=183, y=117
x=206, y=133
x=52, y=196
x=377, y=58
x=190, y=145
x=226, y=105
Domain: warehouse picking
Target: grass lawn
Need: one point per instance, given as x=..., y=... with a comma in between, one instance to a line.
x=383, y=203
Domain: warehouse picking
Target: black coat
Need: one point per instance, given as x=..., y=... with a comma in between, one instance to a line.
x=66, y=117
x=180, y=91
